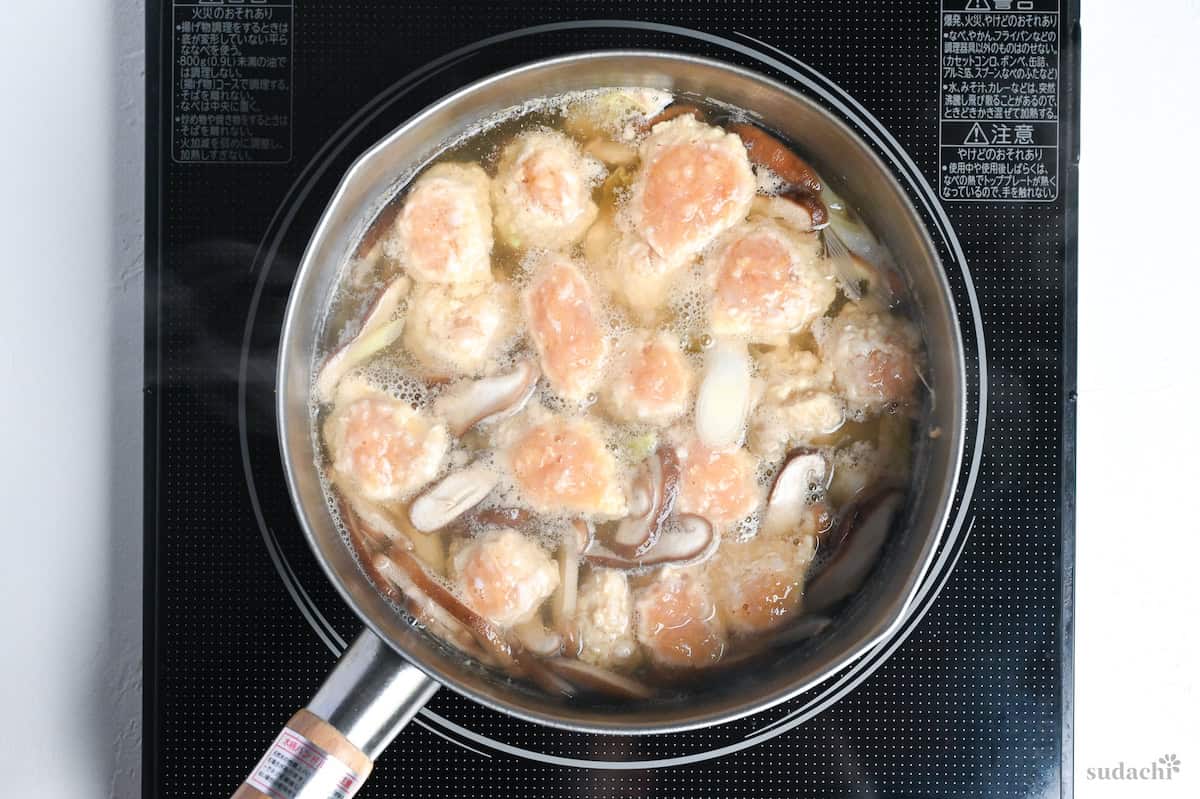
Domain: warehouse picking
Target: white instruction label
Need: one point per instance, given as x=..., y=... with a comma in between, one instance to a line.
x=999, y=100
x=296, y=768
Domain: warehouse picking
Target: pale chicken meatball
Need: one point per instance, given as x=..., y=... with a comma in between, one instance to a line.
x=443, y=233
x=383, y=446
x=542, y=193
x=677, y=621
x=758, y=584
x=651, y=382
x=504, y=576
x=767, y=282
x=641, y=278
x=631, y=271
x=564, y=323
x=873, y=357
x=798, y=402
x=604, y=619
x=561, y=464
x=721, y=486
x=695, y=182
x=455, y=330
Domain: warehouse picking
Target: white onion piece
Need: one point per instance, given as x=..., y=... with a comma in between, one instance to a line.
x=378, y=330
x=487, y=400
x=457, y=493
x=723, y=399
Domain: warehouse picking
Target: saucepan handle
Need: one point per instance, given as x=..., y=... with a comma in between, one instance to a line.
x=327, y=749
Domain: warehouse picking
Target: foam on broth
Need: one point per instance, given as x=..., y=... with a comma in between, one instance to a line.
x=684, y=317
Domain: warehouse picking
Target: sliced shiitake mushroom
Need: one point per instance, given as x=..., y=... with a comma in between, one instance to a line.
x=861, y=532
x=682, y=538
x=594, y=679
x=767, y=151
x=368, y=543
x=451, y=497
x=378, y=330
x=810, y=203
x=653, y=494
x=489, y=399
x=804, y=476
x=802, y=629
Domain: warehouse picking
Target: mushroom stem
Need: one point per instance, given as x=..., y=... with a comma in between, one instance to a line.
x=567, y=596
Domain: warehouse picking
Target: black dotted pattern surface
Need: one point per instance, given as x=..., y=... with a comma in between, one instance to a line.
x=971, y=702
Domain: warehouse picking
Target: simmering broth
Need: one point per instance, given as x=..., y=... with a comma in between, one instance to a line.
x=617, y=391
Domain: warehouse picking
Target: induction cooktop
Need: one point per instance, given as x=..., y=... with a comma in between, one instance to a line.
x=256, y=111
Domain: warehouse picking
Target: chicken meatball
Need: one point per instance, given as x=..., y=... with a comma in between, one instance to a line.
x=677, y=621
x=757, y=584
x=721, y=486
x=798, y=402
x=651, y=381
x=460, y=330
x=873, y=357
x=768, y=282
x=382, y=445
x=695, y=182
x=561, y=464
x=542, y=193
x=631, y=270
x=604, y=619
x=443, y=233
x=564, y=324
x=504, y=576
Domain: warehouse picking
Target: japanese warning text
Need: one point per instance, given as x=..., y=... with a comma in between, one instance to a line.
x=231, y=76
x=999, y=100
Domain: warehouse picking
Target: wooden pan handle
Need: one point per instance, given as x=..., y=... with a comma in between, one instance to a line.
x=308, y=750
x=327, y=750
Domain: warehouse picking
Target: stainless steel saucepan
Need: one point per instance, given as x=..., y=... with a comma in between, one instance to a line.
x=393, y=668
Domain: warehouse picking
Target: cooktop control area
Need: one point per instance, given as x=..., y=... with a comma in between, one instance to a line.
x=256, y=111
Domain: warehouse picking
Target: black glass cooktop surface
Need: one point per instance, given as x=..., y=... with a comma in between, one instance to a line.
x=256, y=111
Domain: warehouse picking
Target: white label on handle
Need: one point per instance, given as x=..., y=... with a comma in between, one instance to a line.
x=296, y=768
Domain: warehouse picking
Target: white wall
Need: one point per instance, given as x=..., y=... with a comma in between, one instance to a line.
x=71, y=322
x=1138, y=542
